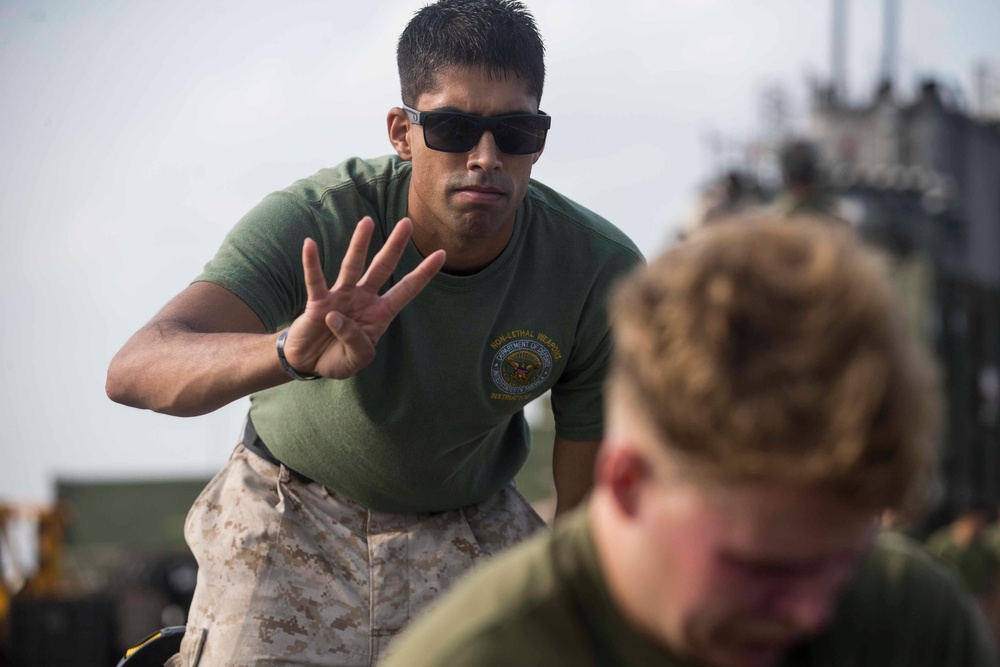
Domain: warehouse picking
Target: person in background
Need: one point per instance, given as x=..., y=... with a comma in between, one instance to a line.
x=965, y=546
x=765, y=405
x=962, y=545
x=803, y=191
x=389, y=319
x=991, y=534
x=735, y=193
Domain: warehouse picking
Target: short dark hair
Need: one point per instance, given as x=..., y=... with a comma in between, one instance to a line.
x=499, y=36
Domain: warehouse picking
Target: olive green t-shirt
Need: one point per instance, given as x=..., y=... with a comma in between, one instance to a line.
x=545, y=604
x=435, y=422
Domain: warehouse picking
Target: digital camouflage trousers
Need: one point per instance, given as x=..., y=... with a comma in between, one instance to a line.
x=292, y=573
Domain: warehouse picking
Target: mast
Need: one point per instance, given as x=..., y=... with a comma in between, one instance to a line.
x=890, y=32
x=838, y=50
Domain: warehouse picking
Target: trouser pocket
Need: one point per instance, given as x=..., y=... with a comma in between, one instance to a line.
x=191, y=647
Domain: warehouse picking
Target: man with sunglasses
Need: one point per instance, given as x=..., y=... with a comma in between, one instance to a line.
x=377, y=459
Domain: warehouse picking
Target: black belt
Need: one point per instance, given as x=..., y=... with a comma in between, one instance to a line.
x=253, y=442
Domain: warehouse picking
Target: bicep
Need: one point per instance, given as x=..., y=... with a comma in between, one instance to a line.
x=205, y=307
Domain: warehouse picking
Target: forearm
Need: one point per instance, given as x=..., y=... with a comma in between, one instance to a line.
x=170, y=368
x=207, y=347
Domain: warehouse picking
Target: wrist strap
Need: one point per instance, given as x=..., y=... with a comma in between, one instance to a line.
x=292, y=373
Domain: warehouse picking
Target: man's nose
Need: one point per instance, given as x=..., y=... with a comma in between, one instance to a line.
x=485, y=155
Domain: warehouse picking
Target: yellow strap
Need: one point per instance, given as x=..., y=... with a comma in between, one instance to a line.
x=129, y=653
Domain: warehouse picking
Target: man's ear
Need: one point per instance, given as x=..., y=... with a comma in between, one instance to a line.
x=399, y=127
x=624, y=473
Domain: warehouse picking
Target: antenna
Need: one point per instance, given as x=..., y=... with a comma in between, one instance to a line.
x=775, y=112
x=838, y=50
x=986, y=79
x=890, y=32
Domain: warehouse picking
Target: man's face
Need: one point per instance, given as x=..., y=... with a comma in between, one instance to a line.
x=466, y=202
x=733, y=575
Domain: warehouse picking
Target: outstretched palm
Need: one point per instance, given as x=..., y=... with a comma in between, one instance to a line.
x=336, y=334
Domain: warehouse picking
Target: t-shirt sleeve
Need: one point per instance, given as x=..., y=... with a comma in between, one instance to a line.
x=947, y=628
x=907, y=610
x=577, y=398
x=965, y=638
x=260, y=260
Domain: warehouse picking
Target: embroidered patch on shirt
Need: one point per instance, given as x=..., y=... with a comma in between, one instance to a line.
x=521, y=366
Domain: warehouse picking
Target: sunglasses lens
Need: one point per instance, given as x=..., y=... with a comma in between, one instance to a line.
x=521, y=136
x=452, y=133
x=458, y=133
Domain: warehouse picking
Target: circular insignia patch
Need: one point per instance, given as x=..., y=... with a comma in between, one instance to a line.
x=521, y=366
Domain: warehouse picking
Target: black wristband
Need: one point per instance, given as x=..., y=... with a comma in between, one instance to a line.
x=292, y=373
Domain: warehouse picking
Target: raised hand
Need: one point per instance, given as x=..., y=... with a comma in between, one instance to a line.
x=335, y=336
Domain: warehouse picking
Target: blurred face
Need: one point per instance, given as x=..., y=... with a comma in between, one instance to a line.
x=465, y=202
x=724, y=575
x=732, y=576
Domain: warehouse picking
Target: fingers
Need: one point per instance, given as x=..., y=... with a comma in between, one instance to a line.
x=313, y=271
x=353, y=264
x=384, y=263
x=413, y=282
x=381, y=268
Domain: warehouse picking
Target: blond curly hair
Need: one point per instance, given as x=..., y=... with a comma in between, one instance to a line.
x=774, y=349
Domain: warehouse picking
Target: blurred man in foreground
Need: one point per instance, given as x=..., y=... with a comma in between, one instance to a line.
x=763, y=407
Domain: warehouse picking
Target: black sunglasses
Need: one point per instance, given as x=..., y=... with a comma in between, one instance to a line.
x=456, y=132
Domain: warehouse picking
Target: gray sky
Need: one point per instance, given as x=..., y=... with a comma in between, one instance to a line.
x=134, y=134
